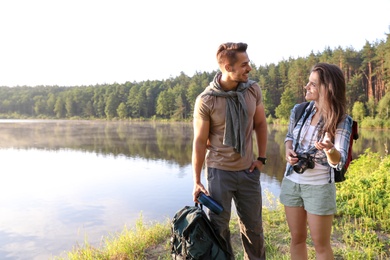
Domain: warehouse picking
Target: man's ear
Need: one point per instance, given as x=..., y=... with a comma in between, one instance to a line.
x=228, y=68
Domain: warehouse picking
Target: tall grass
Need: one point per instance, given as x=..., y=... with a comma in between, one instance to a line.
x=361, y=228
x=131, y=243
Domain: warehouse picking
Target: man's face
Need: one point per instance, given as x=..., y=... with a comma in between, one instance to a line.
x=240, y=70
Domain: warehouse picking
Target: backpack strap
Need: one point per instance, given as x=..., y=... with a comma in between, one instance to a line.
x=341, y=174
x=199, y=205
x=355, y=131
x=298, y=114
x=299, y=110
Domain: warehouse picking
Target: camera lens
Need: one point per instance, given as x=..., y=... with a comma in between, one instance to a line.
x=300, y=167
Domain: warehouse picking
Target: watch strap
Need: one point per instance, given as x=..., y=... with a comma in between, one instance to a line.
x=262, y=159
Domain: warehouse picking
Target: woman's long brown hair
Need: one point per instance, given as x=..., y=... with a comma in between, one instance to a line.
x=333, y=101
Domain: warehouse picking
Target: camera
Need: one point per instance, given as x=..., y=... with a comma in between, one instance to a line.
x=305, y=161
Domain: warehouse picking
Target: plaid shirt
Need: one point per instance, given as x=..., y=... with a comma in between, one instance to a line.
x=341, y=140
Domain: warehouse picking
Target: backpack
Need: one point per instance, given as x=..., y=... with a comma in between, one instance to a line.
x=193, y=236
x=339, y=176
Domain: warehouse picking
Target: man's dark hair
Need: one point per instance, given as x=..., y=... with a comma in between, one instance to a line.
x=227, y=51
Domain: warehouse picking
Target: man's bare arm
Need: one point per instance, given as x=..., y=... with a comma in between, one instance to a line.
x=201, y=135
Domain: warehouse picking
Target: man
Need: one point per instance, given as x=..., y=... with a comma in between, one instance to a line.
x=225, y=115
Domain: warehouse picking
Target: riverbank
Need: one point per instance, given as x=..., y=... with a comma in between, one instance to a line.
x=361, y=228
x=366, y=122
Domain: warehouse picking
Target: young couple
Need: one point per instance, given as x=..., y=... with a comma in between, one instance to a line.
x=228, y=112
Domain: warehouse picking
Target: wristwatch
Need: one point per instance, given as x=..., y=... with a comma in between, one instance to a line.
x=262, y=159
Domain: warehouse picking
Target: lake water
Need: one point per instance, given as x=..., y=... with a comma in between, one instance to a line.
x=64, y=182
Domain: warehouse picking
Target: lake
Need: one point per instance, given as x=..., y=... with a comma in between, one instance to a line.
x=64, y=182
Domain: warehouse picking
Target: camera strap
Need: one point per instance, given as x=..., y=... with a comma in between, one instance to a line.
x=308, y=112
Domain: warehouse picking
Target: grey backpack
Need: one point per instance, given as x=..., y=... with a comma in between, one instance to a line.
x=193, y=236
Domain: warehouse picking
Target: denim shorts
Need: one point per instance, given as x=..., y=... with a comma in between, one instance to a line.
x=316, y=199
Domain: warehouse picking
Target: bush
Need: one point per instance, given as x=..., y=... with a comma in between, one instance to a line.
x=370, y=122
x=373, y=205
x=358, y=111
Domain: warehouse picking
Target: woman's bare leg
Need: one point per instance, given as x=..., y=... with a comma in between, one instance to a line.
x=297, y=222
x=320, y=231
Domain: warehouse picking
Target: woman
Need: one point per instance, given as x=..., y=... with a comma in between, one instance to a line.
x=315, y=144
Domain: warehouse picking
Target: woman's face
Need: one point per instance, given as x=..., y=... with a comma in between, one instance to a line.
x=313, y=87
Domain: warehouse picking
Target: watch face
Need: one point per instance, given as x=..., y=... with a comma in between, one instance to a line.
x=261, y=159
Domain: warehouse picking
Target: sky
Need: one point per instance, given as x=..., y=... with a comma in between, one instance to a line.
x=89, y=42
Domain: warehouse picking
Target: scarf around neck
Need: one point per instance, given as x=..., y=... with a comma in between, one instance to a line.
x=236, y=112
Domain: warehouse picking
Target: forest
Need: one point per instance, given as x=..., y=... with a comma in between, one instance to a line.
x=367, y=72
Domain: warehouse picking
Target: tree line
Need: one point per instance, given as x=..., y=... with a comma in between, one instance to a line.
x=367, y=72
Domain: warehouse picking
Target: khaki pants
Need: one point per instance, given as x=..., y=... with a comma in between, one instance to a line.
x=244, y=188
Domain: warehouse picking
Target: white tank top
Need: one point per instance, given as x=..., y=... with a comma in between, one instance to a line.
x=317, y=176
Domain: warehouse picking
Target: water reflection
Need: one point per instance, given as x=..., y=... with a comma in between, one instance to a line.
x=52, y=200
x=64, y=180
x=150, y=140
x=167, y=141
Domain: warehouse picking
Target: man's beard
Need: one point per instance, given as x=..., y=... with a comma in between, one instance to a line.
x=241, y=80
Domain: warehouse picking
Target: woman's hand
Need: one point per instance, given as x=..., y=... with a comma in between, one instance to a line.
x=324, y=144
x=291, y=156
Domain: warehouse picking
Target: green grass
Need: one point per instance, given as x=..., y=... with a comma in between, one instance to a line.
x=361, y=228
x=131, y=243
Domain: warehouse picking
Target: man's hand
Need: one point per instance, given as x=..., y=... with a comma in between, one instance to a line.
x=256, y=164
x=197, y=189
